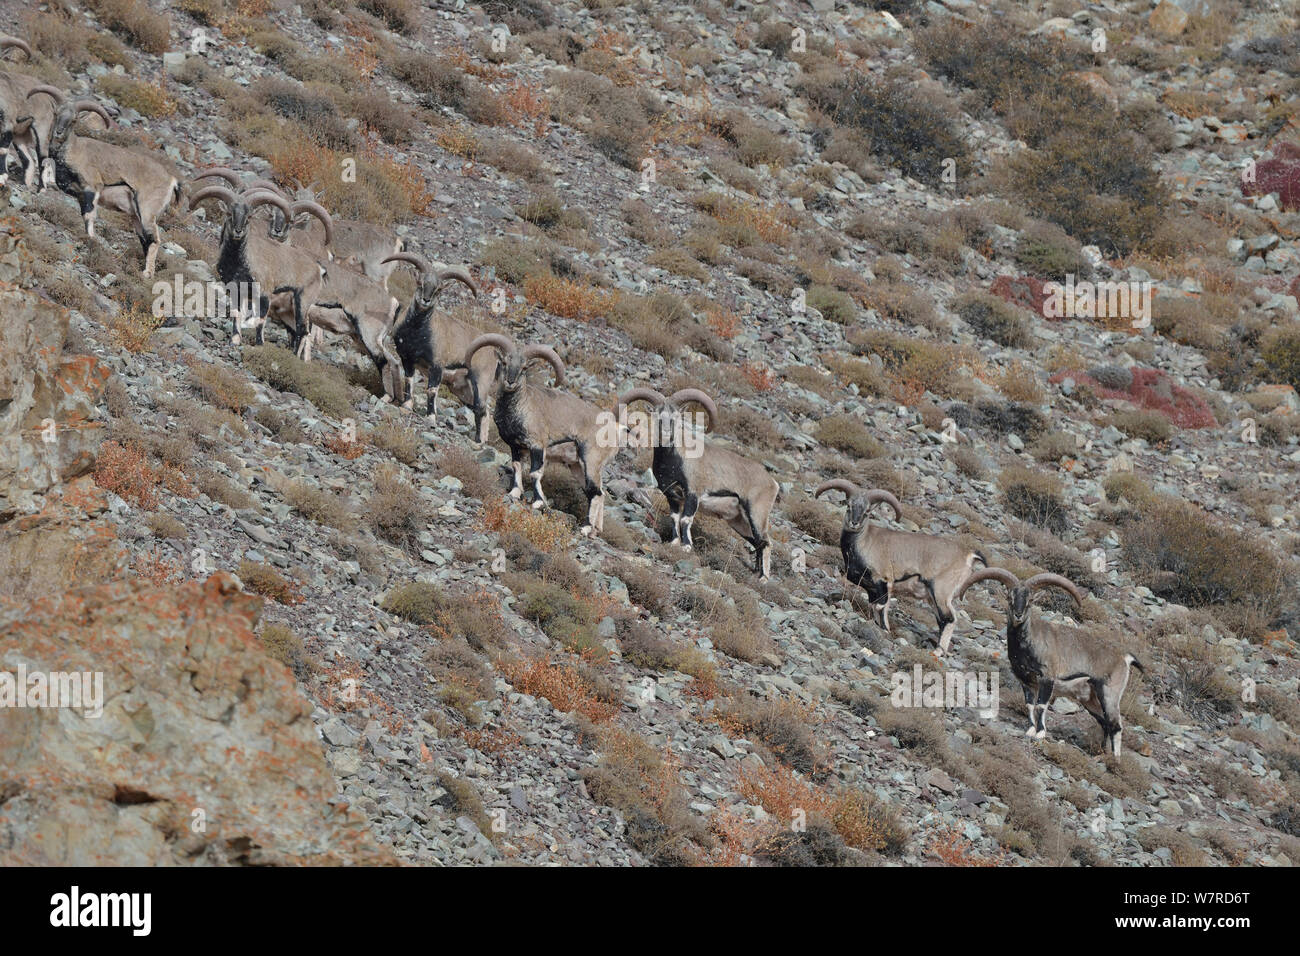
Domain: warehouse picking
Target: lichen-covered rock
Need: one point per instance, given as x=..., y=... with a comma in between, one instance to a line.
x=48, y=431
x=205, y=751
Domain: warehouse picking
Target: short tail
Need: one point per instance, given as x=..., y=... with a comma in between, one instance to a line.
x=1134, y=662
x=977, y=556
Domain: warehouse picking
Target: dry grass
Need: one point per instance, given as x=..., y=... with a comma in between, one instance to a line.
x=317, y=504
x=261, y=578
x=126, y=470
x=642, y=784
x=134, y=20
x=569, y=298
x=548, y=533
x=132, y=328
x=563, y=685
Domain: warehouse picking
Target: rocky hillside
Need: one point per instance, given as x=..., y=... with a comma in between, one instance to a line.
x=871, y=231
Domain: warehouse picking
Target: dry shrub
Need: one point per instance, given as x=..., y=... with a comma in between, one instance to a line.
x=914, y=131
x=563, y=685
x=568, y=298
x=1034, y=496
x=815, y=519
x=862, y=821
x=223, y=491
x=133, y=19
x=261, y=578
x=400, y=16
x=848, y=434
x=865, y=377
x=476, y=480
x=165, y=526
x=781, y=725
x=1113, y=199
x=398, y=440
x=132, y=328
x=1152, y=427
x=744, y=223
x=614, y=118
x=416, y=601
x=318, y=505
x=1019, y=382
x=642, y=784
x=1179, y=552
x=221, y=387
x=147, y=99
x=125, y=469
x=645, y=586
x=548, y=533
x=994, y=319
x=282, y=644
x=323, y=385
x=395, y=509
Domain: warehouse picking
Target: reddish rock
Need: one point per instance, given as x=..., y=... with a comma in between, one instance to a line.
x=1152, y=389
x=1168, y=19
x=1025, y=291
x=205, y=752
x=1280, y=175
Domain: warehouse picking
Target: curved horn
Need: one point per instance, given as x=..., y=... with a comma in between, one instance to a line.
x=837, y=484
x=221, y=172
x=264, y=184
x=1001, y=575
x=877, y=495
x=684, y=395
x=53, y=92
x=1049, y=580
x=16, y=43
x=547, y=354
x=459, y=273
x=213, y=192
x=421, y=264
x=494, y=339
x=317, y=210
x=641, y=394
x=90, y=106
x=263, y=197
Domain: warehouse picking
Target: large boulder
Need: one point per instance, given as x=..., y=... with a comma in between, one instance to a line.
x=204, y=753
x=48, y=399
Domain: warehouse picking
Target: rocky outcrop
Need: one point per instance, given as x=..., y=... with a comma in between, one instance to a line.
x=204, y=753
x=48, y=399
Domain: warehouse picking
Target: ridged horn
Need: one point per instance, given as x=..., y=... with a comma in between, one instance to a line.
x=837, y=484
x=263, y=197
x=459, y=273
x=213, y=192
x=1048, y=580
x=314, y=209
x=221, y=172
x=684, y=395
x=421, y=264
x=494, y=339
x=90, y=106
x=53, y=92
x=17, y=44
x=548, y=355
x=641, y=394
x=265, y=184
x=1001, y=575
x=877, y=495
